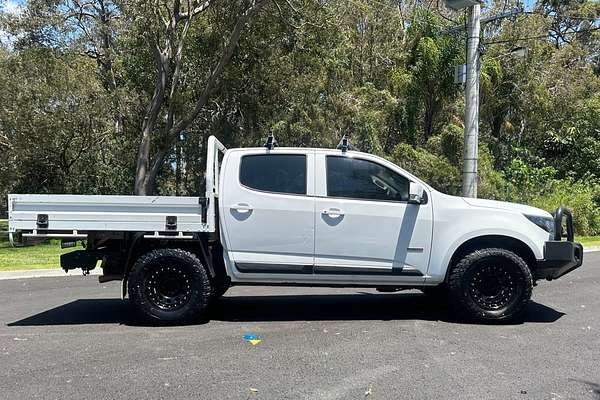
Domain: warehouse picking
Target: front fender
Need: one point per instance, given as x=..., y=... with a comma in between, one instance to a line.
x=441, y=257
x=456, y=221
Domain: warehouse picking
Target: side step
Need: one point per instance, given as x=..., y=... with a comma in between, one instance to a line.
x=108, y=278
x=389, y=289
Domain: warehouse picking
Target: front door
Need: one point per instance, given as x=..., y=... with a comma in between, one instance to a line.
x=365, y=229
x=268, y=212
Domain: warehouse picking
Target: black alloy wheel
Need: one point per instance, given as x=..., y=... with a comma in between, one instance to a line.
x=491, y=284
x=169, y=286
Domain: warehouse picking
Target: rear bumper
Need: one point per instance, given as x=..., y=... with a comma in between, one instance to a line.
x=560, y=258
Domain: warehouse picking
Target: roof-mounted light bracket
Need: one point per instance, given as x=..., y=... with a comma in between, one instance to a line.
x=271, y=142
x=344, y=144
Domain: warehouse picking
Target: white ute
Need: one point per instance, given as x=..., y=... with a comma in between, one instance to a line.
x=305, y=217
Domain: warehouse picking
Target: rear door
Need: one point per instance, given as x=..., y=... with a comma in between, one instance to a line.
x=364, y=228
x=268, y=210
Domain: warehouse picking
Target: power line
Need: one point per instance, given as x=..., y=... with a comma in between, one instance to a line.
x=556, y=15
x=540, y=37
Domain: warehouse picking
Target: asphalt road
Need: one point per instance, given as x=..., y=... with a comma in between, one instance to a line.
x=71, y=338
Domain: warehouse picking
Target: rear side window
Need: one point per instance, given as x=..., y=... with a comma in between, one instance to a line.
x=279, y=173
x=361, y=179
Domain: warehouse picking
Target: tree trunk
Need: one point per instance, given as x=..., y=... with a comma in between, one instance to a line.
x=143, y=161
x=178, y=167
x=144, y=183
x=167, y=59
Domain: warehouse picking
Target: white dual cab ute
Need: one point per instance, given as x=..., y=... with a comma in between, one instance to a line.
x=305, y=217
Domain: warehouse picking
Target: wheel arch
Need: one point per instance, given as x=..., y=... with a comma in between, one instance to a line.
x=168, y=285
x=138, y=246
x=492, y=241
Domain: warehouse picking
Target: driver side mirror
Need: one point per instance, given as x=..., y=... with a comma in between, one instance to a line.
x=415, y=193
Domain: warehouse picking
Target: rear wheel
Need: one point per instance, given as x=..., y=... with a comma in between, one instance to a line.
x=169, y=285
x=490, y=285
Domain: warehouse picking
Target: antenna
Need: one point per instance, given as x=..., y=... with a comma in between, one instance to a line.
x=271, y=142
x=344, y=144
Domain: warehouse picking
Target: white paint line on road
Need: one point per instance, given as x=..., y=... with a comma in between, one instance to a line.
x=43, y=273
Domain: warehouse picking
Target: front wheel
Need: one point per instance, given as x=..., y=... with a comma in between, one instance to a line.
x=169, y=286
x=490, y=285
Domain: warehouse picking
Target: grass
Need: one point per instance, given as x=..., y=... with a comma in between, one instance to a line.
x=588, y=241
x=39, y=256
x=47, y=255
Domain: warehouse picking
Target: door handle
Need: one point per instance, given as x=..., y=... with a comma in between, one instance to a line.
x=242, y=207
x=333, y=212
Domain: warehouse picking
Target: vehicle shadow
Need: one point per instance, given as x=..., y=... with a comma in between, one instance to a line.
x=593, y=387
x=334, y=307
x=352, y=307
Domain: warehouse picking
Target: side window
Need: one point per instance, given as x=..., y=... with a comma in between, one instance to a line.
x=361, y=179
x=279, y=173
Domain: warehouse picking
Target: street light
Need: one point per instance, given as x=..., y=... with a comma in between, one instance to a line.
x=461, y=4
x=520, y=52
x=517, y=52
x=460, y=71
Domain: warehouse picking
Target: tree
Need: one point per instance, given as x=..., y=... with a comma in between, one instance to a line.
x=91, y=90
x=88, y=27
x=171, y=23
x=56, y=128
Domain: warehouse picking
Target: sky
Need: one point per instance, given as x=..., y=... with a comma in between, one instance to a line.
x=529, y=4
x=14, y=6
x=11, y=6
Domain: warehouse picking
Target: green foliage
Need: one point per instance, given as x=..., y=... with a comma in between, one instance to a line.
x=525, y=181
x=538, y=186
x=3, y=232
x=425, y=84
x=449, y=143
x=581, y=196
x=432, y=168
x=56, y=122
x=72, y=100
x=492, y=183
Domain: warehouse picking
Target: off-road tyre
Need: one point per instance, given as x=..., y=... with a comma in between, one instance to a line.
x=169, y=286
x=219, y=290
x=491, y=285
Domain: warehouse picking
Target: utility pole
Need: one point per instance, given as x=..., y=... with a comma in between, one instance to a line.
x=471, y=80
x=469, y=173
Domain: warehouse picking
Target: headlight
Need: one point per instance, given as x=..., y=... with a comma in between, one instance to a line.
x=546, y=223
